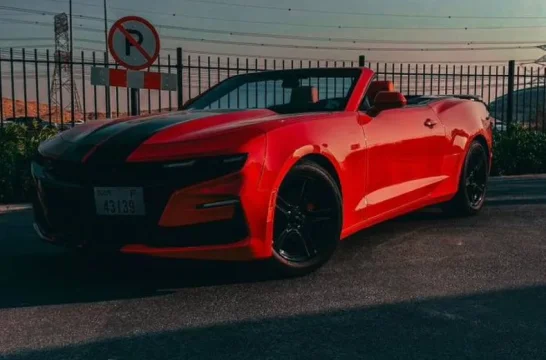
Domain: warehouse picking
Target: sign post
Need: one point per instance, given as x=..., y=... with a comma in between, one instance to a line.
x=134, y=43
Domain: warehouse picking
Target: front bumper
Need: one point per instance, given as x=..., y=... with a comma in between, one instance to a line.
x=176, y=223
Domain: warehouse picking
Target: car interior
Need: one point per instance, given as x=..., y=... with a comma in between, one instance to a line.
x=306, y=99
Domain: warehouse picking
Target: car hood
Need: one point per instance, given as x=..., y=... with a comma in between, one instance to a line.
x=115, y=140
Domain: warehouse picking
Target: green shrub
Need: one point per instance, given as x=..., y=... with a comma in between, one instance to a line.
x=18, y=144
x=518, y=151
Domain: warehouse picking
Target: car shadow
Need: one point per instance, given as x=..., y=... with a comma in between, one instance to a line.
x=506, y=324
x=64, y=277
x=34, y=273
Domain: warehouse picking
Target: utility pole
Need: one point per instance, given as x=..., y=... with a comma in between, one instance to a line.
x=105, y=30
x=72, y=112
x=107, y=58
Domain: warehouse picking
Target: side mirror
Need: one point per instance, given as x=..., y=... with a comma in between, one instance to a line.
x=385, y=100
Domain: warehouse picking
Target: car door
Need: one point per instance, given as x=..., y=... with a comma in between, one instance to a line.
x=405, y=152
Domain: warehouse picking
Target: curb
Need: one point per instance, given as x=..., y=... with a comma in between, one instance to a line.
x=519, y=177
x=14, y=207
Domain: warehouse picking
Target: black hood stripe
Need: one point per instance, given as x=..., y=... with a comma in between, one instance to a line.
x=113, y=143
x=81, y=147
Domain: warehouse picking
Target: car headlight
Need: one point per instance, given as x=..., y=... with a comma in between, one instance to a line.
x=206, y=168
x=231, y=161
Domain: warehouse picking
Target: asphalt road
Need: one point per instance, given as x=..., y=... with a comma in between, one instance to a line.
x=420, y=287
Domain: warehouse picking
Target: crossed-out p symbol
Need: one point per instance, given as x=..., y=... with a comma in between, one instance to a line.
x=128, y=44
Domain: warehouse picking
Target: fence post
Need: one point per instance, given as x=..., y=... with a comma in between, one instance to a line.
x=179, y=98
x=510, y=97
x=135, y=102
x=362, y=60
x=107, y=88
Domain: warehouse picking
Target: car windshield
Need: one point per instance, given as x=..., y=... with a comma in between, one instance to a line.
x=283, y=91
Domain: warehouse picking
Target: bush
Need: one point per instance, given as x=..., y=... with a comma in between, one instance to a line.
x=519, y=151
x=18, y=144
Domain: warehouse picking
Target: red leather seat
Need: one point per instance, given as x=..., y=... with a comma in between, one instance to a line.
x=376, y=87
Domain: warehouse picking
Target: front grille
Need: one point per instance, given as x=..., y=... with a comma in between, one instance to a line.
x=70, y=210
x=66, y=218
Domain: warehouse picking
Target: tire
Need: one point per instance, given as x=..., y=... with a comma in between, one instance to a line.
x=307, y=221
x=471, y=193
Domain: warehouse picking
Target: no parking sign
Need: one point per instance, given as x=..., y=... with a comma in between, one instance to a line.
x=133, y=43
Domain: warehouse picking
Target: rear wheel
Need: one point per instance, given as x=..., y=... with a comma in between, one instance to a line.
x=307, y=221
x=470, y=196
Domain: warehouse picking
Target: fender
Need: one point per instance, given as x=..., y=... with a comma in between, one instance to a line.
x=469, y=141
x=287, y=165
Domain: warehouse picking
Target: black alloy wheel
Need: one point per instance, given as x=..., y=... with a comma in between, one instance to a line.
x=476, y=179
x=472, y=190
x=307, y=221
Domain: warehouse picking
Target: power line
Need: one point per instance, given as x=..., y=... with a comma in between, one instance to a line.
x=10, y=13
x=277, y=22
x=346, y=60
x=343, y=48
x=329, y=12
x=43, y=57
x=168, y=37
x=28, y=22
x=309, y=47
x=26, y=39
x=356, y=13
x=297, y=37
x=34, y=46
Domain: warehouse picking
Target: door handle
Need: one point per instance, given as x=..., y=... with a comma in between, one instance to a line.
x=430, y=123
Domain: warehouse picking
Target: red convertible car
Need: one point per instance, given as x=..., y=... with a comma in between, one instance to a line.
x=277, y=165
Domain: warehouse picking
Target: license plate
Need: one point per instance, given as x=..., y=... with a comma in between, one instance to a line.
x=112, y=201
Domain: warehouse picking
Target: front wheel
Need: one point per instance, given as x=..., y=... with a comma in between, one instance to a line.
x=470, y=196
x=307, y=220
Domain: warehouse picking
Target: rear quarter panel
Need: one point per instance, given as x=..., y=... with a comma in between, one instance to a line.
x=464, y=121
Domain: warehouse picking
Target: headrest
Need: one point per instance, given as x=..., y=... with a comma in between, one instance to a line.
x=304, y=95
x=377, y=86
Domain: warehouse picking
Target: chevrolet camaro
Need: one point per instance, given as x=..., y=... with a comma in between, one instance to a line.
x=276, y=166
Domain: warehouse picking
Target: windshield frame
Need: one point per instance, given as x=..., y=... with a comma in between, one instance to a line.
x=272, y=74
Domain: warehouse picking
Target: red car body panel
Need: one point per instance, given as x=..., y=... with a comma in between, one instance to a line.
x=386, y=165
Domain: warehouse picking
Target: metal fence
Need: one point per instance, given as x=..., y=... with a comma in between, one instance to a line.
x=27, y=76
